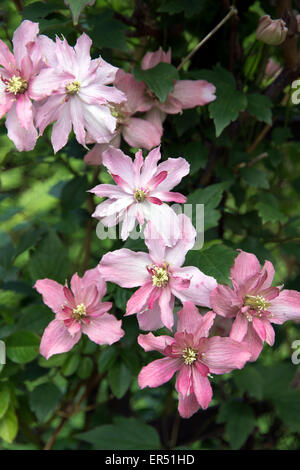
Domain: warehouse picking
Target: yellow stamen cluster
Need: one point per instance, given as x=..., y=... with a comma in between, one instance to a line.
x=189, y=356
x=116, y=112
x=256, y=302
x=16, y=85
x=73, y=87
x=139, y=195
x=160, y=276
x=79, y=312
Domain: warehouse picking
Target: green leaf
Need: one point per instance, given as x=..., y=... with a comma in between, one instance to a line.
x=191, y=8
x=74, y=194
x=259, y=106
x=107, y=358
x=240, y=422
x=39, y=10
x=22, y=347
x=85, y=368
x=71, y=365
x=124, y=434
x=250, y=381
x=108, y=32
x=76, y=7
x=268, y=209
x=229, y=102
x=49, y=260
x=211, y=197
x=9, y=425
x=44, y=400
x=288, y=409
x=119, y=379
x=28, y=240
x=255, y=177
x=216, y=261
x=4, y=399
x=160, y=79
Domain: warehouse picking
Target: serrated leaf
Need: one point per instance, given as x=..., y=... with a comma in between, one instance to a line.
x=250, y=381
x=44, y=400
x=226, y=108
x=255, y=177
x=22, y=347
x=259, y=106
x=239, y=422
x=216, y=261
x=49, y=259
x=268, y=209
x=124, y=434
x=211, y=197
x=119, y=379
x=160, y=79
x=229, y=101
x=76, y=7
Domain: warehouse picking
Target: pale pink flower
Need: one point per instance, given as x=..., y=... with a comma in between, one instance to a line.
x=193, y=357
x=137, y=131
x=186, y=94
x=76, y=92
x=142, y=188
x=17, y=73
x=254, y=303
x=77, y=310
x=160, y=275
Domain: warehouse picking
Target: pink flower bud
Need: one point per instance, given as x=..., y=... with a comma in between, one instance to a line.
x=272, y=32
x=272, y=69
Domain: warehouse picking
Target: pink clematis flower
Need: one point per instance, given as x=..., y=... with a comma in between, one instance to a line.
x=76, y=93
x=160, y=276
x=187, y=94
x=17, y=73
x=137, y=131
x=193, y=357
x=253, y=303
x=142, y=187
x=77, y=310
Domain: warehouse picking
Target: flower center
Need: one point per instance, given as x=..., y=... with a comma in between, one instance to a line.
x=256, y=302
x=79, y=312
x=73, y=87
x=139, y=195
x=189, y=356
x=116, y=112
x=16, y=85
x=160, y=276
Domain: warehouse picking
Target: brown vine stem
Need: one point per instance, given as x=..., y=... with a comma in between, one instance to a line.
x=233, y=12
x=73, y=409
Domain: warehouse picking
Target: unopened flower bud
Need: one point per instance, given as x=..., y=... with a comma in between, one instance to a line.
x=272, y=69
x=272, y=32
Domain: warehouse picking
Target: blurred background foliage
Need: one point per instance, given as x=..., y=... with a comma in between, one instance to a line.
x=244, y=152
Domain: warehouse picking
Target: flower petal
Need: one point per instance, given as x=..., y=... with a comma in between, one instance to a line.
x=105, y=329
x=158, y=372
x=149, y=342
x=57, y=339
x=222, y=355
x=125, y=267
x=201, y=388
